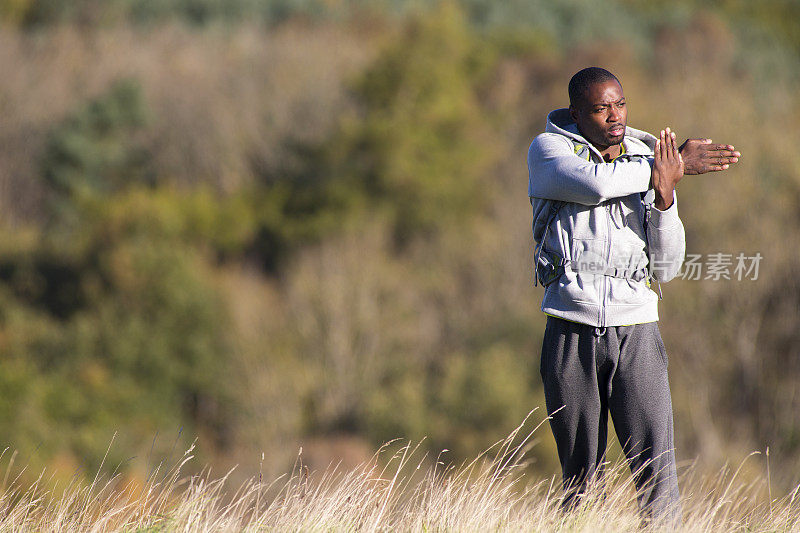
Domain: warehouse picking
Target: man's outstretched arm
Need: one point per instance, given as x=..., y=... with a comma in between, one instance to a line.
x=556, y=173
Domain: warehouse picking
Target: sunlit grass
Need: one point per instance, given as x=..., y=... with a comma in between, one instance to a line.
x=399, y=489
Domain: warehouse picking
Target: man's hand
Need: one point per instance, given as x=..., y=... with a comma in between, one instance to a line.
x=668, y=168
x=701, y=156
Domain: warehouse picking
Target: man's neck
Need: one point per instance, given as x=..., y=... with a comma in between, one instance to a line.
x=610, y=153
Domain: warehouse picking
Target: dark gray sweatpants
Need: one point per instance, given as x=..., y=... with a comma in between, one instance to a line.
x=589, y=372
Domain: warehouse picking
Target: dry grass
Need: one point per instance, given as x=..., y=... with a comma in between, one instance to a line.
x=395, y=491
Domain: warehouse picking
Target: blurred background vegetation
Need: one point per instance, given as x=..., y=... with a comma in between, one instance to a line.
x=267, y=224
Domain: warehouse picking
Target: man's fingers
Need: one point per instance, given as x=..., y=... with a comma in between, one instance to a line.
x=657, y=151
x=659, y=145
x=723, y=153
x=674, y=146
x=721, y=157
x=667, y=145
x=719, y=148
x=722, y=160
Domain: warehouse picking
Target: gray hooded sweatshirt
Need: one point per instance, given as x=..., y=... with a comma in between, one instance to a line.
x=598, y=221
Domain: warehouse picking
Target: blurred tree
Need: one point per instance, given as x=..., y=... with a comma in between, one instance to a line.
x=422, y=143
x=96, y=150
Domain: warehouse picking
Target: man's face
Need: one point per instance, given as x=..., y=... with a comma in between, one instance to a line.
x=602, y=115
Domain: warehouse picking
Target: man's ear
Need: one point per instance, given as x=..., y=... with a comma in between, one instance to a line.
x=573, y=113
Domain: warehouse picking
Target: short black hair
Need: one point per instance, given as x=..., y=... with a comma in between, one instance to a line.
x=583, y=79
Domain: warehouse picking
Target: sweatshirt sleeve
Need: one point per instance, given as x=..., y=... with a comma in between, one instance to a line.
x=666, y=241
x=556, y=173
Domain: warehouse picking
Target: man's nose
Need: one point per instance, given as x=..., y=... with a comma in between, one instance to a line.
x=613, y=115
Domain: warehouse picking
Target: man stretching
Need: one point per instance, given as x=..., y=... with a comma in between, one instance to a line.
x=605, y=222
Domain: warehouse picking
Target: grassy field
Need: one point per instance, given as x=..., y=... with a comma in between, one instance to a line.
x=398, y=490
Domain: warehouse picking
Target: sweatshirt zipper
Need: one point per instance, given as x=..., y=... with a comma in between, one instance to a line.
x=608, y=263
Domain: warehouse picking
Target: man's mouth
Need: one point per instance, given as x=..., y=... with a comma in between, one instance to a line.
x=616, y=130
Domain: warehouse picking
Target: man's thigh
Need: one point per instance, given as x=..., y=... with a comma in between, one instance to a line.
x=568, y=365
x=569, y=375
x=640, y=401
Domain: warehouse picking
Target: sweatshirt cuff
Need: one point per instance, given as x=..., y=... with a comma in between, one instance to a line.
x=669, y=217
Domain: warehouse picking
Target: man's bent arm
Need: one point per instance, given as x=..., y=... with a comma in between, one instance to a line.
x=666, y=240
x=556, y=173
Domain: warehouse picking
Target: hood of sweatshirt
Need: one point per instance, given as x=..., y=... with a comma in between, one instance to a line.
x=637, y=142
